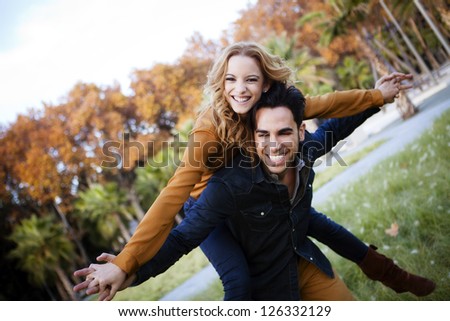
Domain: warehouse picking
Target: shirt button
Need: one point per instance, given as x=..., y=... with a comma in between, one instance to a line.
x=262, y=213
x=293, y=230
x=311, y=259
x=309, y=185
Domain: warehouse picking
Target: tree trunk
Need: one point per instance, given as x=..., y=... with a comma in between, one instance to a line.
x=433, y=26
x=134, y=200
x=430, y=56
x=394, y=57
x=123, y=230
x=399, y=45
x=68, y=293
x=405, y=105
x=71, y=233
x=419, y=59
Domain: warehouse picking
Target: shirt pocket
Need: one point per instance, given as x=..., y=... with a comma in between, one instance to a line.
x=260, y=218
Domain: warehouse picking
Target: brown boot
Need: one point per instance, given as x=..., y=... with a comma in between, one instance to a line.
x=380, y=268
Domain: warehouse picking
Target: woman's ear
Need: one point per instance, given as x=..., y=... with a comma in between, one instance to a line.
x=266, y=86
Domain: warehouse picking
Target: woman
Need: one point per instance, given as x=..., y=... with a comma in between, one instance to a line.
x=235, y=83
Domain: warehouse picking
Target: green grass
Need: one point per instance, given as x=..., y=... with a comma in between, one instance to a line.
x=412, y=189
x=330, y=172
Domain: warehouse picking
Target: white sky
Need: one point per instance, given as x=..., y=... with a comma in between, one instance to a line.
x=46, y=46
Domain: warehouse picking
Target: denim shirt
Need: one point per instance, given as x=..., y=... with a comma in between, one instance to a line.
x=258, y=211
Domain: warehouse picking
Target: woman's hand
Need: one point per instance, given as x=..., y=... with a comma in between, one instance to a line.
x=105, y=279
x=390, y=85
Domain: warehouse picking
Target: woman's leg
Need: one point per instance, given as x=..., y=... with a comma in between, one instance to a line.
x=336, y=237
x=227, y=257
x=374, y=265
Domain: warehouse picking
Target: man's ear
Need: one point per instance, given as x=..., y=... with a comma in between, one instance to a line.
x=301, y=131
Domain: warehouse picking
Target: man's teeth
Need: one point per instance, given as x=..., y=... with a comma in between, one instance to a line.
x=276, y=158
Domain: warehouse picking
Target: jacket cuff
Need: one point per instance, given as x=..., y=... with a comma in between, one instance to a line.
x=377, y=97
x=126, y=262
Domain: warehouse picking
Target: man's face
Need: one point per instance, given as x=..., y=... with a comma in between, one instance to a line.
x=277, y=138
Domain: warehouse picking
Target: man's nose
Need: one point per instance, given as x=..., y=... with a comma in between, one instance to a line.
x=274, y=144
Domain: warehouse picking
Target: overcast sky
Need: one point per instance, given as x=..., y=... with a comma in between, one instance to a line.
x=46, y=46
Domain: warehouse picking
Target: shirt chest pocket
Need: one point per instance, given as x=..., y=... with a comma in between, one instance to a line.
x=262, y=218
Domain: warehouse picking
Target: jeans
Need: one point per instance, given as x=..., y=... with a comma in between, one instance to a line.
x=226, y=256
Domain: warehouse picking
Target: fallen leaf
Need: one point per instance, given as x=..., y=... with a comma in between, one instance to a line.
x=393, y=230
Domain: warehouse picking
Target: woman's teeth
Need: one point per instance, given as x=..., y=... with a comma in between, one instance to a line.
x=241, y=99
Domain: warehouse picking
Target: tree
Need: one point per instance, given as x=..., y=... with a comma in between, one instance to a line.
x=103, y=213
x=151, y=179
x=43, y=251
x=354, y=73
x=311, y=72
x=267, y=18
x=350, y=17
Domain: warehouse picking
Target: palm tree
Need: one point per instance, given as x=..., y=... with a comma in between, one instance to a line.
x=433, y=26
x=103, y=210
x=354, y=73
x=310, y=72
x=357, y=17
x=408, y=42
x=42, y=251
x=151, y=179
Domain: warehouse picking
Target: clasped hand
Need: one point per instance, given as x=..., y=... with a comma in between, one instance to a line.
x=105, y=279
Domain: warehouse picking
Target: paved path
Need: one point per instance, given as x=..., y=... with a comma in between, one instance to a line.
x=389, y=126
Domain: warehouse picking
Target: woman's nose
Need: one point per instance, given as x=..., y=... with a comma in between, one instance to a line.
x=240, y=87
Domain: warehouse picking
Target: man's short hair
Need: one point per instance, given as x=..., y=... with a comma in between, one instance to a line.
x=280, y=95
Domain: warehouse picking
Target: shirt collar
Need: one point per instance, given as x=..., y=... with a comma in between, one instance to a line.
x=259, y=174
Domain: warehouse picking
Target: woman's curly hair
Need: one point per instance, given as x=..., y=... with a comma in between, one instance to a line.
x=231, y=128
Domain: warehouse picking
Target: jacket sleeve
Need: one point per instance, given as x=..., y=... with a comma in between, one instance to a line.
x=213, y=207
x=157, y=223
x=331, y=132
x=342, y=103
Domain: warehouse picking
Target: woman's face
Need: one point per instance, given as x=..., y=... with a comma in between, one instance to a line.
x=244, y=83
